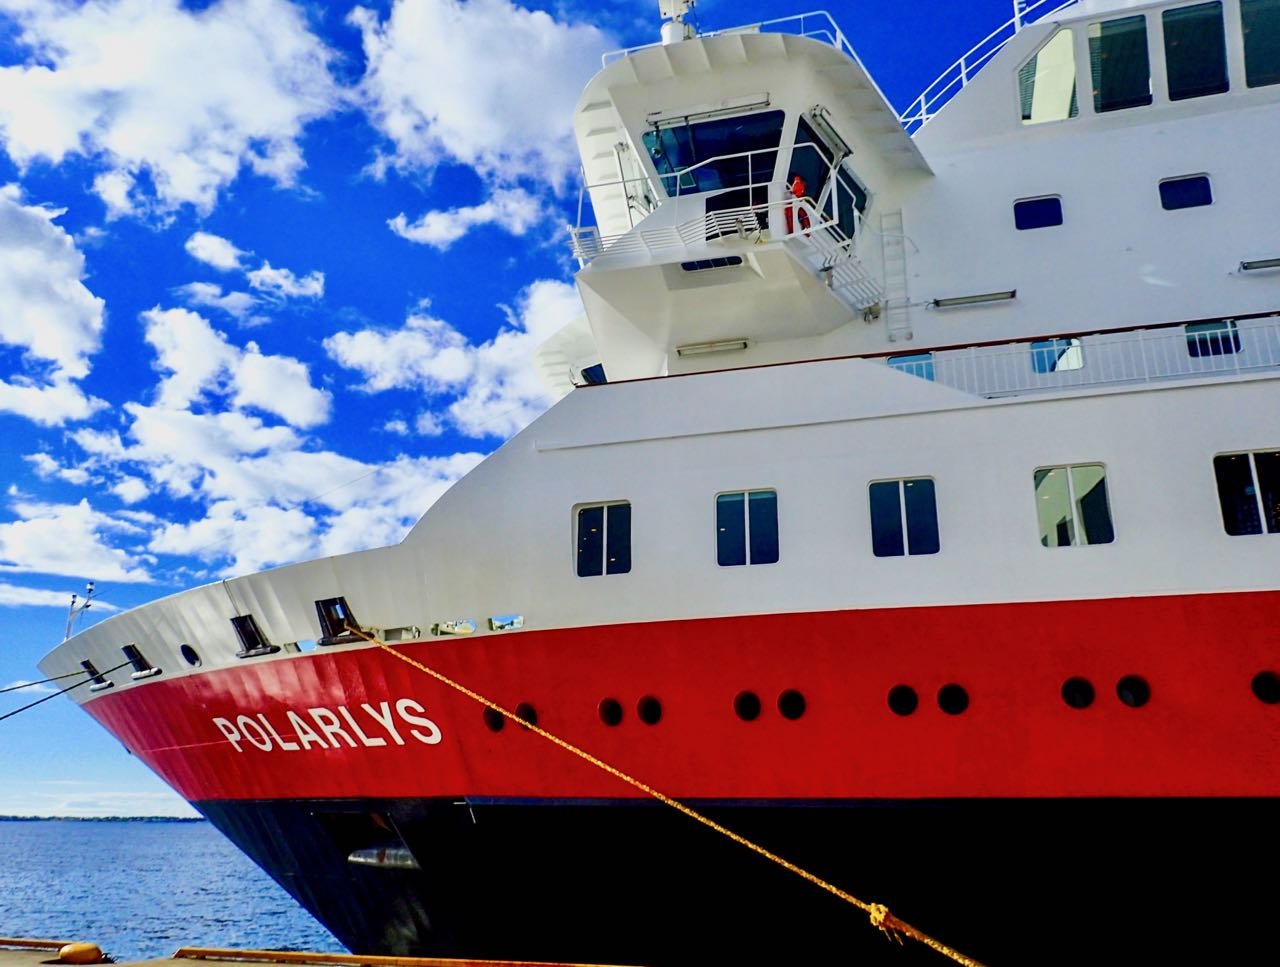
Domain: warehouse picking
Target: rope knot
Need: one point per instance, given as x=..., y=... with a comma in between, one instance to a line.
x=885, y=922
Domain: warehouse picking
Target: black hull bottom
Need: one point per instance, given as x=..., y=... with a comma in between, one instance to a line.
x=1025, y=882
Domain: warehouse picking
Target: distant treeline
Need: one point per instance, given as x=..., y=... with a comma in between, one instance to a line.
x=104, y=819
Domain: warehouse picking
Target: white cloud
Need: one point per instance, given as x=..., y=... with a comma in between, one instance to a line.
x=284, y=284
x=145, y=86
x=209, y=294
x=514, y=210
x=398, y=427
x=200, y=362
x=434, y=87
x=428, y=424
x=214, y=250
x=131, y=490
x=68, y=539
x=47, y=468
x=47, y=312
x=499, y=392
x=15, y=595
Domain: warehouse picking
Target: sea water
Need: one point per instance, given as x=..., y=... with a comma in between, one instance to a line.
x=142, y=889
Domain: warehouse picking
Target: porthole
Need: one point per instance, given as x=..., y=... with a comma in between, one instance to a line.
x=1078, y=692
x=1266, y=686
x=1133, y=690
x=494, y=719
x=791, y=704
x=190, y=656
x=527, y=713
x=747, y=706
x=903, y=699
x=953, y=699
x=610, y=710
x=650, y=710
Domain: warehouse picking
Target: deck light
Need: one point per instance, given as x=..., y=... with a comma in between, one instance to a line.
x=1254, y=264
x=703, y=348
x=973, y=300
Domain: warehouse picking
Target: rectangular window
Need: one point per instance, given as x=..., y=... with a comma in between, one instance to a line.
x=1212, y=338
x=1047, y=82
x=1260, y=20
x=747, y=527
x=904, y=517
x=1249, y=491
x=917, y=364
x=604, y=539
x=674, y=148
x=1072, y=507
x=1119, y=64
x=1189, y=192
x=1037, y=213
x=1195, y=51
x=1056, y=355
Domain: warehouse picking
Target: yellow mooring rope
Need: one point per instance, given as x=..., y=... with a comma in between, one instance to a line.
x=881, y=918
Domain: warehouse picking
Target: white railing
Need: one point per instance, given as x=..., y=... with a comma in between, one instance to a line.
x=816, y=25
x=1132, y=356
x=958, y=75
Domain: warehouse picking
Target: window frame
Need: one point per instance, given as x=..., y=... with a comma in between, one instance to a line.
x=904, y=517
x=606, y=569
x=1033, y=206
x=1100, y=107
x=1022, y=76
x=1074, y=504
x=1221, y=86
x=1267, y=523
x=748, y=557
x=1165, y=199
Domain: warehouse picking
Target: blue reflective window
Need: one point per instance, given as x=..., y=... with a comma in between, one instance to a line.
x=1190, y=192
x=1056, y=355
x=917, y=364
x=904, y=517
x=594, y=375
x=747, y=528
x=604, y=539
x=1037, y=213
x=1212, y=338
x=677, y=148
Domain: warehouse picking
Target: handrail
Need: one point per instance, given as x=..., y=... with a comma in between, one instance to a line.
x=829, y=34
x=956, y=77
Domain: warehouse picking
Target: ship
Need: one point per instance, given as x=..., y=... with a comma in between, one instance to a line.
x=911, y=509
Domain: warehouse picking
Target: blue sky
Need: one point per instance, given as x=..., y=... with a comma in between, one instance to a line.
x=270, y=275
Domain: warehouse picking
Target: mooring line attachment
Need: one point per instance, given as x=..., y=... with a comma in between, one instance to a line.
x=884, y=921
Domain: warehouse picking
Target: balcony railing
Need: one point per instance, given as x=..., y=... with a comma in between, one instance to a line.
x=816, y=25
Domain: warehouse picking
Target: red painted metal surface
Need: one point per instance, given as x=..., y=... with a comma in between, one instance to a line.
x=379, y=728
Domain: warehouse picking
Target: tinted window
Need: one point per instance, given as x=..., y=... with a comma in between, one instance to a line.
x=1119, y=65
x=1072, y=506
x=676, y=148
x=1212, y=338
x=747, y=528
x=812, y=160
x=1260, y=20
x=1037, y=213
x=1047, y=82
x=917, y=364
x=1056, y=355
x=1249, y=491
x=894, y=501
x=1190, y=192
x=1195, y=51
x=604, y=539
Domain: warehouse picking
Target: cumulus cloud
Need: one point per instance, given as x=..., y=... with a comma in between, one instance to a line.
x=187, y=98
x=214, y=250
x=237, y=304
x=514, y=210
x=498, y=391
x=69, y=540
x=199, y=361
x=15, y=595
x=432, y=89
x=47, y=468
x=283, y=284
x=47, y=312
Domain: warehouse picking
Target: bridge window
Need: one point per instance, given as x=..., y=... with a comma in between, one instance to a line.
x=904, y=517
x=747, y=527
x=1072, y=507
x=1056, y=355
x=604, y=539
x=752, y=140
x=1031, y=213
x=813, y=159
x=1047, y=82
x=917, y=364
x=1195, y=51
x=1189, y=192
x=1249, y=491
x=1119, y=64
x=1261, y=22
x=1220, y=338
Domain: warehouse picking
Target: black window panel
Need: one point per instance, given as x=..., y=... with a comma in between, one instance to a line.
x=133, y=655
x=1236, y=494
x=252, y=641
x=618, y=539
x=1120, y=65
x=762, y=508
x=1212, y=339
x=922, y=516
x=1268, y=466
x=594, y=375
x=1189, y=192
x=1195, y=51
x=94, y=675
x=679, y=147
x=1095, y=514
x=1260, y=20
x=1037, y=213
x=886, y=520
x=590, y=541
x=731, y=530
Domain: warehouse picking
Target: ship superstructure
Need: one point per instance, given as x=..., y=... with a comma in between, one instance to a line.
x=912, y=507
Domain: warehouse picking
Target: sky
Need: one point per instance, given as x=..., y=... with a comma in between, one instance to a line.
x=271, y=275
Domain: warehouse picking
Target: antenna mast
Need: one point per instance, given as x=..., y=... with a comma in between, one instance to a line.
x=78, y=609
x=675, y=29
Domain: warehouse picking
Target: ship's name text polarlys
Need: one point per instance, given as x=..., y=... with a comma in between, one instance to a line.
x=324, y=727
